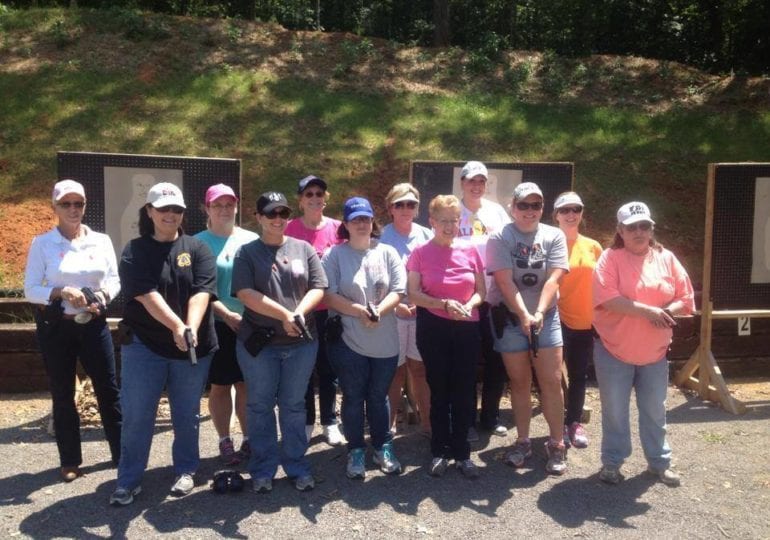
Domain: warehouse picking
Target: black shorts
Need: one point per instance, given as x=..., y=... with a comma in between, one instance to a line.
x=224, y=366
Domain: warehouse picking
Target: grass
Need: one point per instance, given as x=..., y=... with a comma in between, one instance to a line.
x=284, y=126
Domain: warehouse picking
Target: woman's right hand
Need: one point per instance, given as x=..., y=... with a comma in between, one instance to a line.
x=179, y=339
x=74, y=297
x=405, y=311
x=658, y=317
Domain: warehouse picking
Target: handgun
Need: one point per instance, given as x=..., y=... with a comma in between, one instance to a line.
x=91, y=298
x=374, y=315
x=304, y=333
x=534, y=341
x=188, y=339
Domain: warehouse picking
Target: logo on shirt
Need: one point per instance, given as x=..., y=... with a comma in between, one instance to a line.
x=183, y=260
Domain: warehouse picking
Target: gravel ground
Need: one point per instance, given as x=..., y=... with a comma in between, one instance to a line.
x=723, y=461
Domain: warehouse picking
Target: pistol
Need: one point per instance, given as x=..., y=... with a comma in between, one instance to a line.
x=534, y=341
x=374, y=315
x=304, y=333
x=91, y=298
x=188, y=338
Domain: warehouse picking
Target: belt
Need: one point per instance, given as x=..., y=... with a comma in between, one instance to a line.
x=64, y=316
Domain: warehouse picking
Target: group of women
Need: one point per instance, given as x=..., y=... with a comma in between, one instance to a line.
x=372, y=310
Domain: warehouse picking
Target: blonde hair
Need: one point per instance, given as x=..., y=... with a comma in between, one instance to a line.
x=443, y=202
x=399, y=190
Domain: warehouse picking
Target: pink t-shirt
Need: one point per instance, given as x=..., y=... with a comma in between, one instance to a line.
x=447, y=272
x=655, y=279
x=321, y=239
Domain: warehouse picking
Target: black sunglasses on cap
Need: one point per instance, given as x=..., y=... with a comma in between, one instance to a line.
x=569, y=210
x=69, y=204
x=411, y=205
x=524, y=206
x=170, y=208
x=283, y=213
x=641, y=225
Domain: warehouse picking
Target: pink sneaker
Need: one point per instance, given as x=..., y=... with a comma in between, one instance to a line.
x=577, y=435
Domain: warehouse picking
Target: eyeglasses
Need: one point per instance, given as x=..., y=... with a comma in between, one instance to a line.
x=283, y=213
x=529, y=205
x=70, y=204
x=311, y=194
x=170, y=208
x=569, y=210
x=411, y=205
x=640, y=225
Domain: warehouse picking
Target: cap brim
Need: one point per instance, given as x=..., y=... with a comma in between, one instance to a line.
x=316, y=181
x=636, y=219
x=406, y=198
x=168, y=201
x=273, y=206
x=354, y=215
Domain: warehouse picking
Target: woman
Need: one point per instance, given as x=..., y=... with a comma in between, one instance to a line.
x=224, y=238
x=527, y=259
x=576, y=311
x=168, y=280
x=366, y=283
x=280, y=281
x=446, y=281
x=320, y=232
x=638, y=288
x=60, y=264
x=402, y=202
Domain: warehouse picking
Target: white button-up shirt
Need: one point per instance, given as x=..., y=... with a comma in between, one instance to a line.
x=53, y=261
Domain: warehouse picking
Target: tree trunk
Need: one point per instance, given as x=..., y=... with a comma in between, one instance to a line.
x=441, y=23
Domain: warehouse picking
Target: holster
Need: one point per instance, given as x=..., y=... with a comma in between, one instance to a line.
x=333, y=329
x=259, y=337
x=500, y=315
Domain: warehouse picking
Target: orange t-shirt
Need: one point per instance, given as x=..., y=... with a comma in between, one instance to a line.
x=575, y=299
x=655, y=279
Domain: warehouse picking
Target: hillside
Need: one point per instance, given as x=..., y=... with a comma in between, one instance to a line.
x=356, y=111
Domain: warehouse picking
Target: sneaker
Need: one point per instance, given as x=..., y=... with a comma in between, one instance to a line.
x=577, y=435
x=183, y=485
x=557, y=457
x=262, y=485
x=387, y=460
x=245, y=451
x=610, y=475
x=473, y=435
x=356, y=463
x=227, y=452
x=309, y=432
x=438, y=466
x=123, y=496
x=500, y=430
x=468, y=468
x=667, y=476
x=522, y=449
x=306, y=482
x=333, y=435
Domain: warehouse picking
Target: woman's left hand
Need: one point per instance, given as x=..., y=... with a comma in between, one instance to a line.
x=537, y=321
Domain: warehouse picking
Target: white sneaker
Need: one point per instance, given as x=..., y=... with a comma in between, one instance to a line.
x=309, y=432
x=333, y=435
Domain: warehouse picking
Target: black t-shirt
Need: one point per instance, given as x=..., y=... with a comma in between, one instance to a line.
x=177, y=270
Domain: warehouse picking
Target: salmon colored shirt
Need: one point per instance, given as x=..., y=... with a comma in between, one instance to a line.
x=657, y=279
x=575, y=298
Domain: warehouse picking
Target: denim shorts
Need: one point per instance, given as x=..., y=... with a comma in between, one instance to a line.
x=515, y=340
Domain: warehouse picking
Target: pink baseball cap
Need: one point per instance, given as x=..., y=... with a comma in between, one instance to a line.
x=219, y=190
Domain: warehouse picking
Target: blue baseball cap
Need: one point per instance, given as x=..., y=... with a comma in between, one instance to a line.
x=357, y=207
x=309, y=181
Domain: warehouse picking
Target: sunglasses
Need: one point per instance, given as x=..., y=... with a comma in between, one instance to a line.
x=529, y=205
x=170, y=208
x=311, y=194
x=69, y=204
x=569, y=210
x=640, y=225
x=283, y=213
x=411, y=205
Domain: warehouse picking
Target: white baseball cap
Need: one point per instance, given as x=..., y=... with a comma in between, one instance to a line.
x=567, y=199
x=474, y=168
x=165, y=194
x=633, y=212
x=525, y=189
x=65, y=187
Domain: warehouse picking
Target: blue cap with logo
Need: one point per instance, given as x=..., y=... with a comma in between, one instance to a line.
x=357, y=207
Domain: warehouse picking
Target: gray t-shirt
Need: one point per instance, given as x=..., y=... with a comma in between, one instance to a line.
x=366, y=276
x=531, y=256
x=283, y=273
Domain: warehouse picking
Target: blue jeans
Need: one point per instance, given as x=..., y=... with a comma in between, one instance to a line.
x=365, y=381
x=616, y=379
x=279, y=374
x=144, y=374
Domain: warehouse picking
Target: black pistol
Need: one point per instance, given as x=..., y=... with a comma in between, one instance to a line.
x=91, y=298
x=374, y=315
x=188, y=339
x=534, y=341
x=304, y=333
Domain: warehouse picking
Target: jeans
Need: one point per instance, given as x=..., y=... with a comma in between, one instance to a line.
x=278, y=375
x=449, y=351
x=61, y=346
x=493, y=378
x=327, y=380
x=578, y=349
x=365, y=381
x=144, y=374
x=616, y=379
